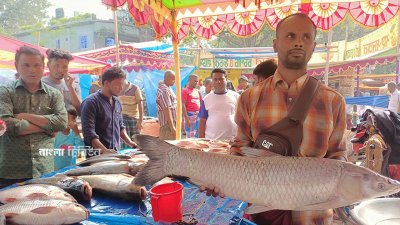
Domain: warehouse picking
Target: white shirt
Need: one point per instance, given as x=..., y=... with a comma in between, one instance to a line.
x=221, y=115
x=394, y=101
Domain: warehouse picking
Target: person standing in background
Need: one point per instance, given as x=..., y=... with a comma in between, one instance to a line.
x=58, y=78
x=206, y=88
x=132, y=109
x=166, y=106
x=217, y=110
x=264, y=70
x=394, y=101
x=191, y=99
x=102, y=122
x=33, y=112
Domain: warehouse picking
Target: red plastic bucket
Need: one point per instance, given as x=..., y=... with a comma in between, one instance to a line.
x=166, y=202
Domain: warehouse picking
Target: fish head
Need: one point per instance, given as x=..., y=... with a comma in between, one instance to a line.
x=359, y=183
x=74, y=212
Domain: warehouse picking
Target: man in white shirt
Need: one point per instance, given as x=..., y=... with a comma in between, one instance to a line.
x=217, y=110
x=394, y=101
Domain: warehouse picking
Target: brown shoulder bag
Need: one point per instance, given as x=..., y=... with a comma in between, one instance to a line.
x=285, y=136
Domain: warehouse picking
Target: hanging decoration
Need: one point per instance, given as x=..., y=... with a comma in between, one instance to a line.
x=373, y=13
x=246, y=23
x=208, y=26
x=327, y=15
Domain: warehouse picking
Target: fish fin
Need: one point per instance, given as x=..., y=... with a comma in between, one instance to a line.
x=316, y=206
x=36, y=196
x=157, y=151
x=43, y=210
x=8, y=200
x=10, y=215
x=255, y=152
x=257, y=209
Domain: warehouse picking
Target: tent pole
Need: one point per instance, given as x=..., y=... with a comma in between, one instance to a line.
x=328, y=48
x=175, y=43
x=398, y=50
x=116, y=36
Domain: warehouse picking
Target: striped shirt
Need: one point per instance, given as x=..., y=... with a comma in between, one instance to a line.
x=323, y=127
x=165, y=98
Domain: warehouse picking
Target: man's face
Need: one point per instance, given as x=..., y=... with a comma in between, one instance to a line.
x=219, y=82
x=170, y=80
x=30, y=68
x=193, y=81
x=208, y=87
x=243, y=83
x=295, y=42
x=391, y=88
x=115, y=86
x=58, y=68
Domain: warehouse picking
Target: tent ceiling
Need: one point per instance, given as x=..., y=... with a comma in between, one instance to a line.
x=243, y=18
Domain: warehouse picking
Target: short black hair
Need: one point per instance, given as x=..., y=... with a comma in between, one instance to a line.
x=296, y=14
x=218, y=70
x=207, y=81
x=265, y=69
x=27, y=51
x=112, y=73
x=58, y=54
x=72, y=111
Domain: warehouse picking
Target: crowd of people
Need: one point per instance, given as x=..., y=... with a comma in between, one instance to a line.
x=40, y=112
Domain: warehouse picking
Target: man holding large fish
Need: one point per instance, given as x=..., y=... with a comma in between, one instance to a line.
x=282, y=190
x=324, y=125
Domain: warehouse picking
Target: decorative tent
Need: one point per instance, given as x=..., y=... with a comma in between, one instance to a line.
x=245, y=17
x=132, y=58
x=79, y=65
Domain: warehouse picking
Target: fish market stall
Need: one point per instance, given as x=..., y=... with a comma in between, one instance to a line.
x=197, y=208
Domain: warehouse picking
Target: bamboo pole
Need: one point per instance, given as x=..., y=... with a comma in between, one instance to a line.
x=328, y=48
x=175, y=46
x=116, y=36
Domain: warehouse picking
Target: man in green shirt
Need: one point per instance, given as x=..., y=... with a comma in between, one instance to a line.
x=33, y=112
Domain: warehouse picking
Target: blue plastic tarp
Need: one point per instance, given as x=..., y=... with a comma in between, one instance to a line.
x=377, y=101
x=105, y=210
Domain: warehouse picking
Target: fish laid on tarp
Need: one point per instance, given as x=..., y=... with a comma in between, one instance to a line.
x=78, y=188
x=44, y=212
x=120, y=156
x=110, y=168
x=274, y=182
x=118, y=185
x=34, y=191
x=90, y=161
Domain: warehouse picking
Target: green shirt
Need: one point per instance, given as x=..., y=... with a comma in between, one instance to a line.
x=20, y=154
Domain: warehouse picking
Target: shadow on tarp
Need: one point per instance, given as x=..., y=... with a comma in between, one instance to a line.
x=196, y=207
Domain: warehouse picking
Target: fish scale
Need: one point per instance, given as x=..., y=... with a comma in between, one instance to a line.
x=275, y=182
x=271, y=176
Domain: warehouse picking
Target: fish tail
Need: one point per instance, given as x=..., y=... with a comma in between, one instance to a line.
x=157, y=151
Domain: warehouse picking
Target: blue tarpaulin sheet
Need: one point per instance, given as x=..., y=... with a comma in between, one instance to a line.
x=197, y=206
x=377, y=101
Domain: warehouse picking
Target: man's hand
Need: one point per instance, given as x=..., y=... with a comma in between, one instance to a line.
x=214, y=191
x=132, y=144
x=69, y=81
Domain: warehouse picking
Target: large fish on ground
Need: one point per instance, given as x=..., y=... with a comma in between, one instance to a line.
x=90, y=161
x=78, y=188
x=275, y=182
x=109, y=168
x=34, y=191
x=118, y=185
x=40, y=212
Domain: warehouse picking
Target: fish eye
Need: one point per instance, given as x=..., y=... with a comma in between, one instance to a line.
x=381, y=186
